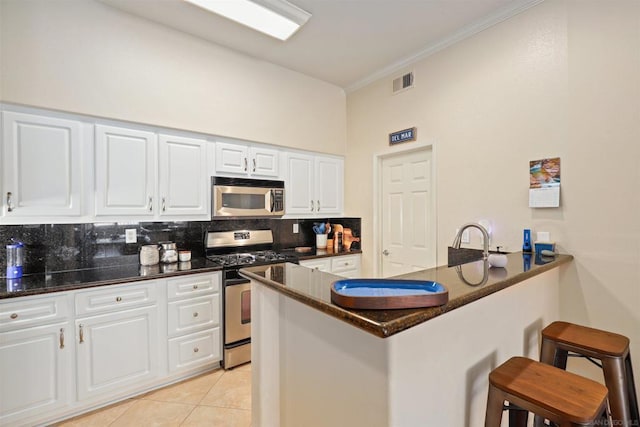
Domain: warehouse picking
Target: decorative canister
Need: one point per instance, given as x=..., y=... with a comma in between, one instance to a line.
x=149, y=255
x=168, y=252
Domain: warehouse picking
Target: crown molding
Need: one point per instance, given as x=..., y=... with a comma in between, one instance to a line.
x=497, y=17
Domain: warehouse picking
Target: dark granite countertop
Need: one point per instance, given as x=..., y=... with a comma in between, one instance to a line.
x=466, y=283
x=42, y=283
x=319, y=253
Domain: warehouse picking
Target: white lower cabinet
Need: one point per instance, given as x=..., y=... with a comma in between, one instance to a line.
x=340, y=265
x=123, y=339
x=35, y=372
x=194, y=350
x=116, y=351
x=194, y=316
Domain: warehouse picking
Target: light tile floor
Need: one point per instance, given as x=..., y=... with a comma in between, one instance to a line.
x=220, y=398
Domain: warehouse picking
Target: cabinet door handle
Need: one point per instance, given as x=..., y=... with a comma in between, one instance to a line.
x=196, y=349
x=14, y=316
x=9, y=205
x=61, y=337
x=195, y=286
x=150, y=204
x=312, y=206
x=164, y=207
x=195, y=314
x=246, y=166
x=118, y=299
x=318, y=203
x=81, y=333
x=254, y=165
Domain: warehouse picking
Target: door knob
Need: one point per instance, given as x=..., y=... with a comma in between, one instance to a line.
x=385, y=252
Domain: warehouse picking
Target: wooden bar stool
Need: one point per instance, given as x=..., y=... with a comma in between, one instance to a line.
x=567, y=399
x=561, y=340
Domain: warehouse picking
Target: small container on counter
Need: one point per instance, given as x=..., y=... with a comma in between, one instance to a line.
x=149, y=255
x=184, y=256
x=15, y=258
x=168, y=252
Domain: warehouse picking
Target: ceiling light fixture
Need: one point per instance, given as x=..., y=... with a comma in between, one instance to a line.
x=277, y=18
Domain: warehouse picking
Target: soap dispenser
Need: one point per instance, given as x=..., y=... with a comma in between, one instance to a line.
x=526, y=244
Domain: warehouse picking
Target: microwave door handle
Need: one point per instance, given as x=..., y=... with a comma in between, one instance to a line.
x=273, y=200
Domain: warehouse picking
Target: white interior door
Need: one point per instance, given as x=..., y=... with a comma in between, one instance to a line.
x=407, y=213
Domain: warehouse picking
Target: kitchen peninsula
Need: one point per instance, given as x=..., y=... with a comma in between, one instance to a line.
x=317, y=364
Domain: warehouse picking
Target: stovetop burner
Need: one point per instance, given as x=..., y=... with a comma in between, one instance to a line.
x=248, y=258
x=239, y=248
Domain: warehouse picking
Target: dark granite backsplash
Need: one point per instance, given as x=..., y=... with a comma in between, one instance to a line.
x=62, y=247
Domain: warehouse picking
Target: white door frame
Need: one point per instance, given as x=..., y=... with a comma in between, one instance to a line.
x=377, y=187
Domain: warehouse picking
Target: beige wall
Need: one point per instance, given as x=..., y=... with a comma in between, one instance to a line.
x=85, y=57
x=562, y=79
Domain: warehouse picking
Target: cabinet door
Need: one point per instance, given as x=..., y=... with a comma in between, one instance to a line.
x=299, y=184
x=231, y=159
x=264, y=162
x=117, y=352
x=329, y=185
x=125, y=171
x=183, y=178
x=42, y=166
x=322, y=264
x=35, y=372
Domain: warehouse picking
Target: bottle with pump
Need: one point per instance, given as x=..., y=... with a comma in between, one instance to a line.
x=526, y=244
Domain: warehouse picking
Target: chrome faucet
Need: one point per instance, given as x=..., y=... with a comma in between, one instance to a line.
x=485, y=237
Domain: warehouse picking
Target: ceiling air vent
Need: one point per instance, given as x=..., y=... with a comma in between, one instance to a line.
x=403, y=82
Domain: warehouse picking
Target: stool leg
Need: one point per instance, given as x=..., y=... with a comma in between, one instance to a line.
x=518, y=418
x=495, y=402
x=633, y=398
x=552, y=355
x=614, y=378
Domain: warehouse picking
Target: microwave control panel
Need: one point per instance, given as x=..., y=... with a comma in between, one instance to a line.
x=277, y=200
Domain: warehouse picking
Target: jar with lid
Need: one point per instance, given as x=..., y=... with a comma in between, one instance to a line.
x=168, y=252
x=149, y=255
x=15, y=259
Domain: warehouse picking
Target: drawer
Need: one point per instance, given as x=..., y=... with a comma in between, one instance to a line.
x=115, y=298
x=193, y=314
x=323, y=264
x=195, y=350
x=193, y=285
x=23, y=312
x=345, y=263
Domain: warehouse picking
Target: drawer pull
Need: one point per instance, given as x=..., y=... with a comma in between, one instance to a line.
x=195, y=314
x=196, y=349
x=118, y=299
x=195, y=286
x=14, y=315
x=81, y=333
x=61, y=337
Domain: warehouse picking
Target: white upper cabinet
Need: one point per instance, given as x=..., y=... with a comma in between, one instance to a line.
x=42, y=166
x=329, y=185
x=183, y=178
x=314, y=184
x=246, y=160
x=125, y=171
x=144, y=175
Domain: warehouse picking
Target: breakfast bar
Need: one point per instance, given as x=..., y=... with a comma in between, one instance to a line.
x=316, y=363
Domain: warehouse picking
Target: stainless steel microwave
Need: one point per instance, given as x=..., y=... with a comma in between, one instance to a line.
x=242, y=197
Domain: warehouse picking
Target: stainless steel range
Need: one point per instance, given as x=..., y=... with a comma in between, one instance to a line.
x=233, y=250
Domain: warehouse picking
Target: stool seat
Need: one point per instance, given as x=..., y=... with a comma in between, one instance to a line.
x=563, y=397
x=561, y=340
x=601, y=343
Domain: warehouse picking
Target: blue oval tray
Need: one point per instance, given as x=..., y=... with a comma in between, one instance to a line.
x=384, y=294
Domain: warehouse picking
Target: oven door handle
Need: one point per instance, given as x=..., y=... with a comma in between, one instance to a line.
x=233, y=282
x=273, y=200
